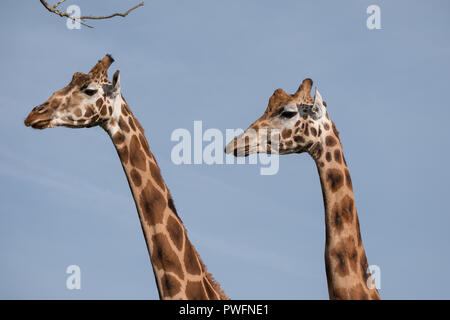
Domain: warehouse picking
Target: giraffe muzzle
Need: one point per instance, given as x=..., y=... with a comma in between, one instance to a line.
x=39, y=118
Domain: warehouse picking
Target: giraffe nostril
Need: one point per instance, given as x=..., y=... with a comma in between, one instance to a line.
x=39, y=109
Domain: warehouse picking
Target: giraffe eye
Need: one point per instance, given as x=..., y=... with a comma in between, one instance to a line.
x=90, y=92
x=288, y=114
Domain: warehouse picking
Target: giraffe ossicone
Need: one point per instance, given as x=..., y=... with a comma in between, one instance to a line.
x=302, y=124
x=92, y=100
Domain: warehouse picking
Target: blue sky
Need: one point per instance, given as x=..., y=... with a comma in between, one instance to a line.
x=64, y=198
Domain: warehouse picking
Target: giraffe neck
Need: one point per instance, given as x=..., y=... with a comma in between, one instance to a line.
x=345, y=258
x=178, y=269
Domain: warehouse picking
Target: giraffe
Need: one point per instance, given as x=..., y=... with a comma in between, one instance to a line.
x=92, y=100
x=302, y=124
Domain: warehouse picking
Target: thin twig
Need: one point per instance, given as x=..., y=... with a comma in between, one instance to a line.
x=65, y=14
x=54, y=7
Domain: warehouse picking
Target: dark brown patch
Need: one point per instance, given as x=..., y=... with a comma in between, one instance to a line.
x=299, y=139
x=89, y=112
x=124, y=110
x=163, y=256
x=341, y=267
x=99, y=102
x=297, y=123
x=330, y=141
x=123, y=154
x=152, y=204
x=190, y=258
x=135, y=177
x=336, y=218
x=195, y=291
x=345, y=256
x=313, y=131
x=123, y=125
x=347, y=207
x=131, y=123
x=137, y=157
x=328, y=156
x=289, y=143
x=144, y=144
x=171, y=205
x=335, y=130
x=316, y=150
x=175, y=231
x=78, y=112
x=326, y=126
x=306, y=132
x=110, y=109
x=156, y=174
x=337, y=156
x=286, y=133
x=335, y=179
x=103, y=111
x=348, y=179
x=118, y=138
x=170, y=286
x=320, y=132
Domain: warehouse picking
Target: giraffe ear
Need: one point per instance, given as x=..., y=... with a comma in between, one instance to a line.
x=318, y=109
x=115, y=87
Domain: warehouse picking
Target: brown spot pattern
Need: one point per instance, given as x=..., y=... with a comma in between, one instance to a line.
x=195, y=291
x=170, y=286
x=175, y=231
x=337, y=156
x=286, y=133
x=123, y=125
x=334, y=179
x=348, y=179
x=123, y=154
x=118, y=138
x=144, y=144
x=152, y=204
x=163, y=257
x=99, y=102
x=135, y=177
x=190, y=258
x=330, y=141
x=137, y=157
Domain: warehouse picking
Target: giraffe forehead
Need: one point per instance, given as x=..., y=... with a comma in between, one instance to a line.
x=278, y=101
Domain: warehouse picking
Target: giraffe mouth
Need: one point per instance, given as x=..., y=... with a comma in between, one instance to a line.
x=37, y=121
x=238, y=150
x=41, y=124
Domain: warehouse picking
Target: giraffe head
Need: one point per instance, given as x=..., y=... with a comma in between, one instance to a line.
x=87, y=101
x=296, y=121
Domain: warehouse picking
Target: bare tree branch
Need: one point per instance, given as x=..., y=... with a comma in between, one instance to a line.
x=54, y=7
x=79, y=19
